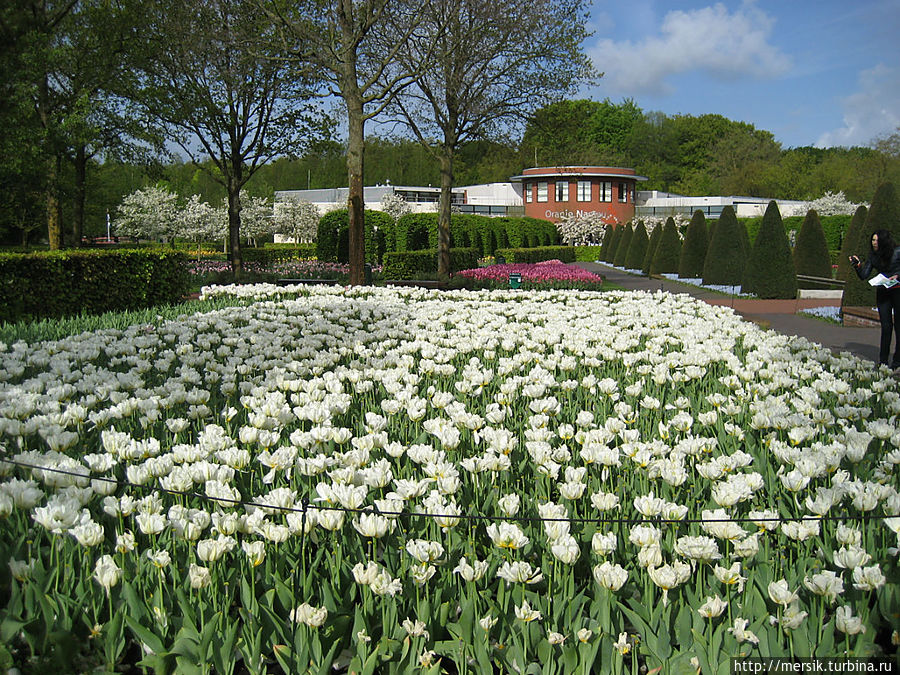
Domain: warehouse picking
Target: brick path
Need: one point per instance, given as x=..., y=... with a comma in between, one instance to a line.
x=779, y=315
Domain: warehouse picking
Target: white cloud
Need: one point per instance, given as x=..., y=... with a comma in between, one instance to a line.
x=727, y=46
x=871, y=111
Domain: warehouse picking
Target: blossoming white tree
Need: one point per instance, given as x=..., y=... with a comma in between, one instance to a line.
x=584, y=229
x=833, y=204
x=395, y=206
x=256, y=217
x=199, y=221
x=150, y=213
x=298, y=220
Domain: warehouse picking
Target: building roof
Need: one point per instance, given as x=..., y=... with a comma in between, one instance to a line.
x=593, y=171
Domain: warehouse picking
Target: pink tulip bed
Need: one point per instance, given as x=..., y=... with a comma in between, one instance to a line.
x=548, y=274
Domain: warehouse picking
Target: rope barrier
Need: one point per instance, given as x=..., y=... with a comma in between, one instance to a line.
x=461, y=516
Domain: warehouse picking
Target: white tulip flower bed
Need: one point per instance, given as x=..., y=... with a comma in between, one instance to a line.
x=402, y=480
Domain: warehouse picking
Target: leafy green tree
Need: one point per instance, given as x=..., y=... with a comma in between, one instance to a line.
x=494, y=62
x=624, y=243
x=724, y=264
x=850, y=243
x=769, y=272
x=581, y=131
x=693, y=250
x=637, y=250
x=811, y=255
x=216, y=77
x=668, y=250
x=884, y=213
x=354, y=45
x=655, y=236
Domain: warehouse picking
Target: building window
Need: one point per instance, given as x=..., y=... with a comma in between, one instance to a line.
x=527, y=191
x=584, y=190
x=542, y=192
x=605, y=191
x=623, y=192
x=562, y=190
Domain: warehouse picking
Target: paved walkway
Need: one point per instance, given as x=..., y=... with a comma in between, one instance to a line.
x=779, y=315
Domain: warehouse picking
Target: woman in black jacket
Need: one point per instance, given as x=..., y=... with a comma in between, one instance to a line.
x=884, y=257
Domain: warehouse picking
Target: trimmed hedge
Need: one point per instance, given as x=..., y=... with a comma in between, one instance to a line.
x=417, y=231
x=277, y=253
x=333, y=237
x=588, y=253
x=404, y=265
x=538, y=254
x=56, y=284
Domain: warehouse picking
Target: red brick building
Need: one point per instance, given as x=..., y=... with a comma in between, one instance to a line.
x=551, y=193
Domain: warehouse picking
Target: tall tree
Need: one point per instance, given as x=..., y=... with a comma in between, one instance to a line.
x=354, y=45
x=217, y=78
x=494, y=63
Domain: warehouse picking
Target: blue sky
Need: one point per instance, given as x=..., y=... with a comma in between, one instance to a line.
x=824, y=73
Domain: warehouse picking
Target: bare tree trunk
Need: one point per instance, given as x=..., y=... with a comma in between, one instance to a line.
x=80, y=196
x=356, y=208
x=234, y=228
x=444, y=213
x=54, y=227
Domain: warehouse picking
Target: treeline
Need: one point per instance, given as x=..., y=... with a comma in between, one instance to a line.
x=692, y=155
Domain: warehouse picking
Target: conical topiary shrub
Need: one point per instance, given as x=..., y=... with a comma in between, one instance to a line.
x=724, y=264
x=693, y=249
x=624, y=243
x=746, y=246
x=637, y=250
x=850, y=243
x=769, y=272
x=655, y=236
x=607, y=241
x=811, y=255
x=614, y=240
x=883, y=214
x=668, y=251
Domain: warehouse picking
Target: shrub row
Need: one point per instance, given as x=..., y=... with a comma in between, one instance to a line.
x=419, y=231
x=278, y=253
x=403, y=265
x=538, y=254
x=55, y=284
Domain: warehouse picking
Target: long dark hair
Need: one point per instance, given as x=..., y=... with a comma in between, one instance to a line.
x=886, y=246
